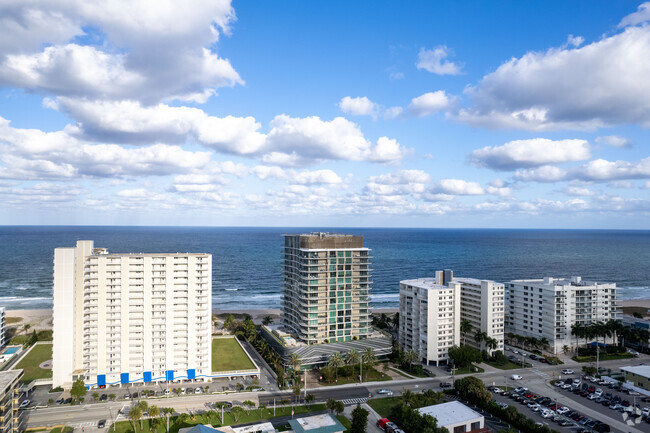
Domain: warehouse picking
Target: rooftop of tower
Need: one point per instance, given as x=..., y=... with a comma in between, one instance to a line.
x=324, y=240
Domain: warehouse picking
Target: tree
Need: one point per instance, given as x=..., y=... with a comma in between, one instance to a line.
x=249, y=406
x=112, y=396
x=154, y=411
x=368, y=358
x=143, y=406
x=637, y=315
x=339, y=407
x=284, y=402
x=229, y=322
x=359, y=420
x=566, y=349
x=463, y=356
x=353, y=358
x=295, y=362
x=330, y=405
x=154, y=423
x=480, y=336
x=410, y=356
x=267, y=320
x=336, y=361
x=465, y=328
x=491, y=343
x=78, y=389
x=135, y=414
x=309, y=399
x=261, y=407
x=408, y=397
x=236, y=413
x=472, y=389
x=26, y=327
x=220, y=406
x=95, y=396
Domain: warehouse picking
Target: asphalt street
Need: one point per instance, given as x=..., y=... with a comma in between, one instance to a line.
x=536, y=379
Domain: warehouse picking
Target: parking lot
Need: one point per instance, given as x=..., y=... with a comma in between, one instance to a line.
x=547, y=412
x=611, y=402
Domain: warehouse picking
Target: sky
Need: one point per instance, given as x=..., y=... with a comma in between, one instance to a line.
x=325, y=113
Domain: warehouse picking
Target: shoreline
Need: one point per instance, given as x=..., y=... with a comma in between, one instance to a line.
x=42, y=318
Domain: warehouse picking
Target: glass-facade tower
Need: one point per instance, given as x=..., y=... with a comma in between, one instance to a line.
x=326, y=287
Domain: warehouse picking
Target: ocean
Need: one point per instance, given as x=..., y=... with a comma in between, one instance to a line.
x=247, y=261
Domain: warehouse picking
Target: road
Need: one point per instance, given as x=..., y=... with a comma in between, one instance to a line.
x=536, y=379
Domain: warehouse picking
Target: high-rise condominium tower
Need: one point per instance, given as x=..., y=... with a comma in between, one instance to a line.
x=326, y=287
x=121, y=318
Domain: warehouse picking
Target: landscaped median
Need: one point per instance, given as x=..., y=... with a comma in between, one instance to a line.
x=213, y=418
x=32, y=360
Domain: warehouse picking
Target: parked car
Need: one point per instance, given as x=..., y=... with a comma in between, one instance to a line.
x=633, y=352
x=198, y=391
x=24, y=404
x=381, y=423
x=567, y=371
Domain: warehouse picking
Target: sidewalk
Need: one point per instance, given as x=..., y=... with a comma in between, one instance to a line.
x=373, y=416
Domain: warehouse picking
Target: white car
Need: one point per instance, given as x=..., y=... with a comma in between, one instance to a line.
x=515, y=377
x=547, y=413
x=567, y=371
x=198, y=391
x=645, y=411
x=632, y=352
x=385, y=391
x=562, y=410
x=566, y=386
x=24, y=404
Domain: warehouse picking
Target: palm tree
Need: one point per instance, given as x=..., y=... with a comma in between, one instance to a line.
x=336, y=361
x=353, y=357
x=368, y=358
x=249, y=406
x=236, y=413
x=544, y=343
x=267, y=320
x=309, y=399
x=408, y=397
x=578, y=331
x=566, y=349
x=295, y=362
x=410, y=357
x=134, y=415
x=491, y=343
x=95, y=396
x=465, y=328
x=479, y=337
x=261, y=407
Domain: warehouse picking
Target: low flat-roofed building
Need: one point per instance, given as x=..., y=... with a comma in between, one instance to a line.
x=638, y=375
x=264, y=427
x=324, y=423
x=455, y=417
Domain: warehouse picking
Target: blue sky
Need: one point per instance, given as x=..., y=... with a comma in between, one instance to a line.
x=402, y=114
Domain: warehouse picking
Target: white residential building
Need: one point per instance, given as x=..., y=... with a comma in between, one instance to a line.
x=121, y=318
x=548, y=308
x=482, y=303
x=429, y=306
x=3, y=324
x=429, y=317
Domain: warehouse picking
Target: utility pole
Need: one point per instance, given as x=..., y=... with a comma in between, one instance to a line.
x=305, y=384
x=360, y=370
x=597, y=357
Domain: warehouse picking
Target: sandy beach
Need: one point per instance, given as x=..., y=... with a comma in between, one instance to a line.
x=644, y=303
x=42, y=319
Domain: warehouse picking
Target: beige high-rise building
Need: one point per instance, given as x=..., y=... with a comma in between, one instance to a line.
x=326, y=287
x=122, y=318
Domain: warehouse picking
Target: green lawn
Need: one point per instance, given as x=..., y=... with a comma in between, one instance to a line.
x=603, y=357
x=227, y=355
x=467, y=370
x=507, y=366
x=30, y=363
x=345, y=421
x=383, y=406
x=213, y=418
x=369, y=375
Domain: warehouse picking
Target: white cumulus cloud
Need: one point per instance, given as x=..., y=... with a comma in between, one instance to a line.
x=530, y=153
x=434, y=61
x=430, y=103
x=603, y=83
x=359, y=106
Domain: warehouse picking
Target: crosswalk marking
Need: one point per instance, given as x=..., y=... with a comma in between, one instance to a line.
x=349, y=401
